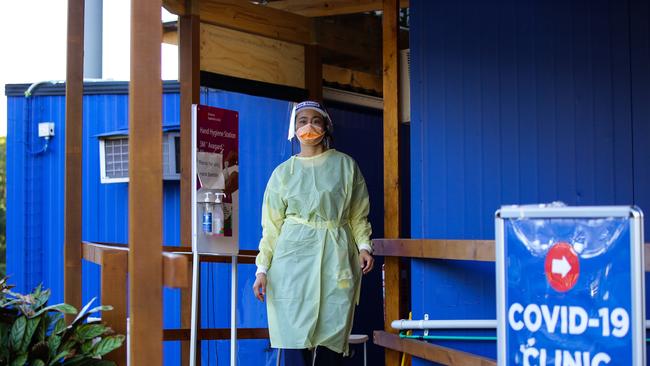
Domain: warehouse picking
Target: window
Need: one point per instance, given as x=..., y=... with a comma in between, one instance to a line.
x=114, y=158
x=171, y=155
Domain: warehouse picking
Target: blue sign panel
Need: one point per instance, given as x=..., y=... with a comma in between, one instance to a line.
x=570, y=287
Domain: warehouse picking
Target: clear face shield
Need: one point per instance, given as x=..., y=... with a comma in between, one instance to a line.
x=310, y=105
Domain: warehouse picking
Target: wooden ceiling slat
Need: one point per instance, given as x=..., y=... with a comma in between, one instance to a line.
x=320, y=8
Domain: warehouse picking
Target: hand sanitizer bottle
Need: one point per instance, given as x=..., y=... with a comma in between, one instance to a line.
x=218, y=217
x=207, y=214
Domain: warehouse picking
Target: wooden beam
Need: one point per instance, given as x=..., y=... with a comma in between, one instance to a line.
x=430, y=352
x=211, y=334
x=263, y=21
x=170, y=36
x=175, y=6
x=114, y=265
x=471, y=250
x=256, y=58
x=145, y=185
x=392, y=219
x=250, y=18
x=174, y=266
x=338, y=40
x=352, y=78
x=73, y=155
x=175, y=271
x=358, y=38
x=391, y=120
x=189, y=54
x=323, y=8
x=247, y=56
x=313, y=72
x=94, y=252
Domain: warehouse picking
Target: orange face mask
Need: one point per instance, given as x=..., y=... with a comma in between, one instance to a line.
x=310, y=134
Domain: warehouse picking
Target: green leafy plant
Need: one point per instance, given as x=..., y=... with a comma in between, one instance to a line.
x=35, y=334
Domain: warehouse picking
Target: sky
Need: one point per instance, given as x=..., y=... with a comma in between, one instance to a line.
x=33, y=44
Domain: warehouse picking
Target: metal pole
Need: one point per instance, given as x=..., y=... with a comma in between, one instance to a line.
x=195, y=317
x=453, y=324
x=403, y=324
x=195, y=305
x=93, y=45
x=233, y=313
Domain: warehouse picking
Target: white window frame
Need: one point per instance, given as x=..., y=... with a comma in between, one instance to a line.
x=102, y=160
x=171, y=174
x=171, y=163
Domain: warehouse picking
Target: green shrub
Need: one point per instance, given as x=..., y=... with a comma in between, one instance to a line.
x=33, y=333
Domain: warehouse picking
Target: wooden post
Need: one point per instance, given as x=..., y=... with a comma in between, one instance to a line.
x=73, y=149
x=391, y=165
x=189, y=75
x=145, y=185
x=313, y=72
x=114, y=269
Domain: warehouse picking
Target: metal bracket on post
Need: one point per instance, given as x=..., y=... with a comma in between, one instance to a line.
x=426, y=331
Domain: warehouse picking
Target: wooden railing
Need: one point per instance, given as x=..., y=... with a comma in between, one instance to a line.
x=176, y=261
x=471, y=250
x=429, y=352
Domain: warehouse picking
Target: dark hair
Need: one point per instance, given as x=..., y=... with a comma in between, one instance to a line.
x=328, y=140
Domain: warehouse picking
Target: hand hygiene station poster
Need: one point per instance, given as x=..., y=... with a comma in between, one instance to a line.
x=216, y=175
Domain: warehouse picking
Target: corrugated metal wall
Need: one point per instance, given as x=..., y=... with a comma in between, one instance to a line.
x=519, y=102
x=35, y=210
x=31, y=176
x=640, y=94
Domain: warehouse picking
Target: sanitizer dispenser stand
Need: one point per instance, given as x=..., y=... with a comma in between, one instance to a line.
x=215, y=205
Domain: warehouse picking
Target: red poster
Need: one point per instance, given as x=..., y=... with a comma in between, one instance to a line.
x=217, y=134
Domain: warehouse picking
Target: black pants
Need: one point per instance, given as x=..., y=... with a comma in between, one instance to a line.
x=303, y=357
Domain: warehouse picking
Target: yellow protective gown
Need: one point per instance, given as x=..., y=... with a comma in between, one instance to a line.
x=314, y=219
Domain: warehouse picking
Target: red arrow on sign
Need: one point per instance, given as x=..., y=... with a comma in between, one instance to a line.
x=562, y=267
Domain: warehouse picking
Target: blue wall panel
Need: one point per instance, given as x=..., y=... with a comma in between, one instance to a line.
x=32, y=176
x=517, y=102
x=16, y=174
x=640, y=56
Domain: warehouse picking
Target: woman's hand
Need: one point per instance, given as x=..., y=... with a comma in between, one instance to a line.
x=366, y=260
x=259, y=287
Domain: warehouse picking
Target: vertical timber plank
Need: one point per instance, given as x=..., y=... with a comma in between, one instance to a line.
x=145, y=185
x=189, y=75
x=73, y=149
x=113, y=289
x=392, y=223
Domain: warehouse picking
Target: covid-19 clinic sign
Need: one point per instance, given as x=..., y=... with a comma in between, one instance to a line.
x=570, y=286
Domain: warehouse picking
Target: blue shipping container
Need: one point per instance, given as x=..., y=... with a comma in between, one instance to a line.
x=35, y=201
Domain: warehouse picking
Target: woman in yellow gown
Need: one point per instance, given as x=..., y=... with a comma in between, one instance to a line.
x=315, y=243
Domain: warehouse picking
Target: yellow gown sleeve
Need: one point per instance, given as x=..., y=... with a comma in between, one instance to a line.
x=273, y=214
x=359, y=209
